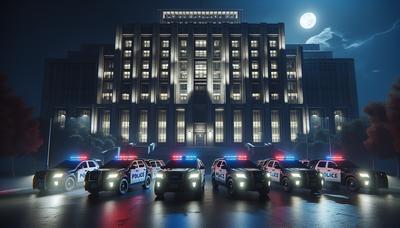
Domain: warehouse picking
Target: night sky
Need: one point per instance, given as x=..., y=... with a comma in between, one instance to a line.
x=31, y=31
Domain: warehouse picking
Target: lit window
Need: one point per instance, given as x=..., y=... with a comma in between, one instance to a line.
x=315, y=119
x=200, y=69
x=292, y=97
x=235, y=66
x=108, y=74
x=183, y=53
x=217, y=43
x=273, y=53
x=164, y=96
x=145, y=65
x=257, y=134
x=183, y=43
x=162, y=126
x=183, y=97
x=274, y=96
x=128, y=43
x=146, y=53
x=236, y=92
x=219, y=125
x=254, y=53
x=125, y=96
x=339, y=120
x=254, y=43
x=272, y=43
x=164, y=74
x=146, y=43
x=107, y=97
x=127, y=53
x=254, y=66
x=180, y=125
x=236, y=74
x=294, y=125
x=291, y=74
x=275, y=128
x=143, y=126
x=256, y=96
x=274, y=74
x=60, y=118
x=144, y=96
x=200, y=54
x=255, y=74
x=200, y=43
x=145, y=74
x=105, y=122
x=127, y=75
x=237, y=126
x=165, y=44
x=127, y=66
x=165, y=53
x=164, y=66
x=235, y=54
x=274, y=65
x=235, y=43
x=125, y=125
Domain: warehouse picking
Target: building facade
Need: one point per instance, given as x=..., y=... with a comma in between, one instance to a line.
x=205, y=79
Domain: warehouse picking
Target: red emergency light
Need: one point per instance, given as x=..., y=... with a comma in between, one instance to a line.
x=126, y=157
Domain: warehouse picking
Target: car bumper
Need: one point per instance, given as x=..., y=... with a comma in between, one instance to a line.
x=178, y=186
x=48, y=185
x=246, y=185
x=307, y=184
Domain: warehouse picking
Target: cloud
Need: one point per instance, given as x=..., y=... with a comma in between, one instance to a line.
x=329, y=38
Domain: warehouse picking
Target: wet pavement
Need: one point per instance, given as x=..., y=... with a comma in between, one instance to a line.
x=139, y=208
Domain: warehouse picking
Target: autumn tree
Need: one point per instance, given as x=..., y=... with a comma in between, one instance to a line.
x=384, y=132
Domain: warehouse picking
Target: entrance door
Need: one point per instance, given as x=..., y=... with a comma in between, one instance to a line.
x=200, y=134
x=199, y=139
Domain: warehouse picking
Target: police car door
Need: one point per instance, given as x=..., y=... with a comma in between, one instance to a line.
x=81, y=171
x=222, y=170
x=134, y=172
x=333, y=172
x=321, y=167
x=276, y=172
x=142, y=171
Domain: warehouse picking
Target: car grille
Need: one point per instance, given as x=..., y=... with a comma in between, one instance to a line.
x=258, y=176
x=313, y=179
x=41, y=175
x=175, y=176
x=94, y=176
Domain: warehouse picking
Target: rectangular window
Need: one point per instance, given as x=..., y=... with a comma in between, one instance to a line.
x=183, y=43
x=255, y=74
x=165, y=44
x=127, y=75
x=235, y=54
x=105, y=122
x=146, y=53
x=143, y=126
x=274, y=96
x=108, y=75
x=339, y=120
x=272, y=43
x=275, y=128
x=236, y=66
x=254, y=43
x=165, y=54
x=274, y=65
x=219, y=125
x=164, y=74
x=257, y=123
x=145, y=74
x=294, y=124
x=128, y=43
x=107, y=97
x=127, y=65
x=146, y=43
x=274, y=74
x=162, y=126
x=200, y=43
x=107, y=86
x=164, y=66
x=180, y=125
x=200, y=69
x=292, y=97
x=254, y=53
x=125, y=125
x=237, y=126
x=145, y=65
x=235, y=43
x=127, y=53
x=200, y=54
x=60, y=118
x=315, y=120
x=292, y=86
x=273, y=53
x=254, y=65
x=236, y=92
x=125, y=96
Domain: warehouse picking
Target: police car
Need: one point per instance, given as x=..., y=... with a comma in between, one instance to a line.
x=291, y=173
x=181, y=174
x=119, y=175
x=239, y=174
x=64, y=176
x=338, y=171
x=155, y=165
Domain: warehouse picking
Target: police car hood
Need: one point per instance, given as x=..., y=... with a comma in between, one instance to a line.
x=178, y=170
x=54, y=170
x=246, y=169
x=299, y=170
x=110, y=169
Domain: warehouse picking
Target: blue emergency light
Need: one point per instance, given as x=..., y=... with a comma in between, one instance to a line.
x=235, y=157
x=78, y=158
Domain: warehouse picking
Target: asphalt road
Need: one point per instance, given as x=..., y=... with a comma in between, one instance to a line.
x=140, y=209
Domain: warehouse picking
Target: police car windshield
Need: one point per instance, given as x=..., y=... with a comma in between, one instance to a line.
x=346, y=164
x=176, y=164
x=241, y=164
x=117, y=164
x=291, y=164
x=67, y=164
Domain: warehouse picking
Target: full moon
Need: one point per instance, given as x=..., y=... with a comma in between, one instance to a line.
x=308, y=20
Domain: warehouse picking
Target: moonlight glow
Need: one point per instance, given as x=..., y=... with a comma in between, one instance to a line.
x=308, y=20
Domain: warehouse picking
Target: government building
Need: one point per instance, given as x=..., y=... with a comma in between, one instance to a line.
x=201, y=79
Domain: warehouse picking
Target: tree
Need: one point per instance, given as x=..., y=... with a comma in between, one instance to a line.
x=384, y=132
x=19, y=131
x=352, y=137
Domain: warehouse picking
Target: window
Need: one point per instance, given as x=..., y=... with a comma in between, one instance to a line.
x=145, y=74
x=107, y=97
x=236, y=66
x=291, y=74
x=143, y=126
x=235, y=43
x=339, y=120
x=292, y=86
x=127, y=75
x=274, y=96
x=146, y=65
x=163, y=96
x=235, y=54
x=128, y=43
x=162, y=126
x=255, y=74
x=164, y=74
x=91, y=164
x=217, y=43
x=219, y=125
x=315, y=121
x=146, y=53
x=254, y=65
x=272, y=43
x=164, y=66
x=273, y=53
x=322, y=164
x=127, y=65
x=276, y=135
x=60, y=118
x=236, y=92
x=200, y=43
x=165, y=44
x=274, y=65
x=183, y=53
x=183, y=87
x=125, y=96
x=183, y=43
x=274, y=74
x=237, y=126
x=331, y=165
x=257, y=133
x=200, y=54
x=165, y=53
x=108, y=74
x=254, y=43
x=292, y=97
x=108, y=86
x=254, y=53
x=217, y=70
x=105, y=122
x=200, y=69
x=127, y=53
x=146, y=43
x=294, y=124
x=180, y=125
x=125, y=125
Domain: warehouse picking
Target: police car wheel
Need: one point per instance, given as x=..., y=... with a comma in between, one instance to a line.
x=231, y=188
x=147, y=182
x=69, y=184
x=286, y=185
x=123, y=187
x=352, y=184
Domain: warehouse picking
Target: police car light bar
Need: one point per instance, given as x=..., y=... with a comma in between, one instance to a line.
x=285, y=158
x=236, y=157
x=185, y=157
x=78, y=158
x=335, y=158
x=126, y=157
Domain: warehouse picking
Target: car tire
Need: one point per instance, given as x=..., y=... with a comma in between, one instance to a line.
x=352, y=184
x=69, y=184
x=287, y=186
x=123, y=187
x=214, y=184
x=147, y=182
x=231, y=188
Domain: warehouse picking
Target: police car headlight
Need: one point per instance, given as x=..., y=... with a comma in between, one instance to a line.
x=364, y=175
x=240, y=175
x=194, y=175
x=58, y=175
x=112, y=175
x=297, y=175
x=160, y=175
x=320, y=174
x=268, y=175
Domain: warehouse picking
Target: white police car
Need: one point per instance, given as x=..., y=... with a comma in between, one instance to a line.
x=338, y=171
x=155, y=166
x=291, y=173
x=64, y=176
x=119, y=175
